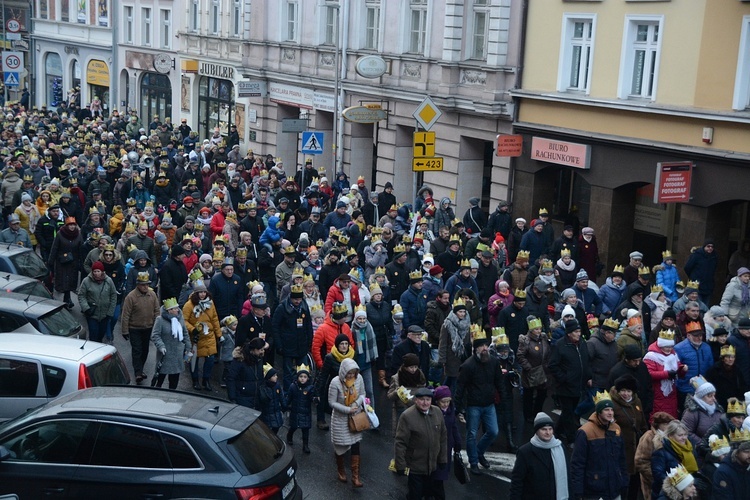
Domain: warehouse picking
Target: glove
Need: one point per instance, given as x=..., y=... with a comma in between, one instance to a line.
x=126, y=337
x=672, y=374
x=163, y=351
x=401, y=472
x=316, y=400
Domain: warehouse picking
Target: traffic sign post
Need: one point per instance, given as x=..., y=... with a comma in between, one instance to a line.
x=12, y=29
x=11, y=78
x=312, y=143
x=434, y=164
x=424, y=144
x=427, y=113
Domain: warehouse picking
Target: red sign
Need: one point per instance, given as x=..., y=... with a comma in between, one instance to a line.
x=509, y=145
x=673, y=182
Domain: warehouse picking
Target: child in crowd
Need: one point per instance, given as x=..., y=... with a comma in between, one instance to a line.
x=299, y=403
x=443, y=400
x=228, y=328
x=318, y=316
x=271, y=399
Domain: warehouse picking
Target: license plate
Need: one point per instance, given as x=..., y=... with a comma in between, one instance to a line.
x=287, y=489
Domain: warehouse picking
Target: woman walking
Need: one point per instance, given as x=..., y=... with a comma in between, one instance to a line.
x=202, y=322
x=346, y=396
x=172, y=340
x=65, y=259
x=98, y=298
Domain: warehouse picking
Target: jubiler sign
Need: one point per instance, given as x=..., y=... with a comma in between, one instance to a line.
x=673, y=181
x=216, y=70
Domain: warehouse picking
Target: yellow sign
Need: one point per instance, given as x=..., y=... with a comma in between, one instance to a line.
x=424, y=144
x=427, y=113
x=97, y=73
x=427, y=164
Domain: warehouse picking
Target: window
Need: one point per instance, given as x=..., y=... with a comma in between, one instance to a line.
x=128, y=446
x=166, y=29
x=81, y=13
x=331, y=27
x=741, y=98
x=237, y=18
x=18, y=378
x=195, y=15
x=57, y=442
x=54, y=379
x=128, y=21
x=43, y=9
x=65, y=11
x=372, y=24
x=215, y=17
x=576, y=52
x=479, y=30
x=417, y=25
x=180, y=453
x=146, y=18
x=640, y=62
x=290, y=19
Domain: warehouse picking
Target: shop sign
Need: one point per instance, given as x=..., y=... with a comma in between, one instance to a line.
x=216, y=70
x=364, y=114
x=97, y=73
x=324, y=102
x=560, y=152
x=249, y=88
x=673, y=182
x=371, y=66
x=650, y=219
x=290, y=95
x=509, y=145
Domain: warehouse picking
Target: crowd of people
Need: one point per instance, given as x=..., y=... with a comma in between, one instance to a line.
x=317, y=292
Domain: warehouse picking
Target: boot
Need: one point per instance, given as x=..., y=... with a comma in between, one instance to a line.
x=355, y=472
x=323, y=426
x=290, y=438
x=340, y=467
x=196, y=385
x=305, y=447
x=381, y=379
x=207, y=385
x=511, y=444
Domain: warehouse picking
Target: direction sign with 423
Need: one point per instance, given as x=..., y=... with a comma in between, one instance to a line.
x=427, y=164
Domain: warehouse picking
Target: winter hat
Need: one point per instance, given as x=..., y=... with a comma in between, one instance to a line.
x=542, y=420
x=205, y=257
x=341, y=338
x=270, y=373
x=258, y=301
x=375, y=289
x=474, y=264
x=442, y=392
x=586, y=231
x=340, y=204
x=719, y=446
x=27, y=197
x=582, y=275
x=360, y=313
x=398, y=312
x=410, y=359
x=571, y=326
x=743, y=323
x=177, y=250
x=669, y=313
x=568, y=292
x=199, y=286
x=520, y=219
x=603, y=403
x=159, y=237
x=626, y=382
x=702, y=386
x=743, y=270
x=720, y=331
x=98, y=265
x=568, y=311
x=717, y=311
x=632, y=351
x=435, y=270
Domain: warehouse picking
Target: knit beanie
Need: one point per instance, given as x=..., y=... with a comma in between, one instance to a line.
x=360, y=314
x=340, y=338
x=542, y=420
x=410, y=359
x=571, y=326
x=704, y=387
x=568, y=311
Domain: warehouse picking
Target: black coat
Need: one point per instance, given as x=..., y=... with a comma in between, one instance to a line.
x=171, y=278
x=66, y=273
x=379, y=316
x=243, y=383
x=477, y=383
x=569, y=365
x=643, y=378
x=514, y=322
x=330, y=370
x=299, y=403
x=728, y=383
x=250, y=327
x=533, y=476
x=398, y=278
x=407, y=346
x=293, y=328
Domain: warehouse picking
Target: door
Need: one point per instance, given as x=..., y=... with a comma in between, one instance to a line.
x=21, y=385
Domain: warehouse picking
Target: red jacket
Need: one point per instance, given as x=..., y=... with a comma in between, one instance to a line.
x=217, y=224
x=335, y=294
x=324, y=338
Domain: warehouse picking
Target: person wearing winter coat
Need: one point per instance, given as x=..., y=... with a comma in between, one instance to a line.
x=664, y=367
x=331, y=364
x=694, y=353
x=299, y=399
x=634, y=300
x=716, y=317
x=603, y=355
x=346, y=396
x=534, y=241
x=444, y=215
x=701, y=267
x=736, y=297
x=443, y=400
x=726, y=377
x=702, y=411
x=379, y=317
x=612, y=292
x=673, y=449
x=658, y=303
x=731, y=421
x=517, y=233
x=631, y=334
x=245, y=376
x=732, y=478
x=454, y=346
x=643, y=453
x=541, y=467
x=366, y=349
x=513, y=319
x=65, y=259
x=632, y=365
x=414, y=302
x=172, y=341
x=432, y=282
x=409, y=378
x=271, y=399
x=323, y=340
x=501, y=299
x=628, y=413
x=667, y=275
x=588, y=252
x=375, y=256
x=97, y=297
x=141, y=263
x=415, y=345
x=533, y=355
x=292, y=324
x=202, y=324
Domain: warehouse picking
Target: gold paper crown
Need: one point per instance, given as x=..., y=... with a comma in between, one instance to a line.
x=229, y=320
x=644, y=270
x=454, y=237
x=522, y=254
x=289, y=250
x=308, y=278
x=736, y=406
x=739, y=436
x=380, y=270
x=564, y=253
x=677, y=475
x=360, y=308
x=252, y=284
x=500, y=339
x=296, y=289
x=693, y=284
x=459, y=302
x=143, y=223
x=667, y=335
x=406, y=239
x=728, y=350
x=343, y=239
x=698, y=381
x=350, y=252
x=601, y=396
x=477, y=332
x=303, y=368
x=415, y=275
x=456, y=221
x=377, y=230
x=718, y=443
x=519, y=294
x=657, y=289
x=199, y=226
x=534, y=323
x=297, y=272
x=592, y=321
x=393, y=208
x=94, y=210
x=399, y=249
x=611, y=323
x=251, y=205
x=149, y=204
x=218, y=254
x=28, y=178
x=266, y=368
x=466, y=264
x=547, y=265
x=143, y=277
x=404, y=394
x=498, y=330
x=109, y=247
x=315, y=308
x=196, y=275
x=339, y=308
x=241, y=252
x=543, y=211
x=419, y=236
x=354, y=274
x=221, y=238
x=666, y=254
x=170, y=303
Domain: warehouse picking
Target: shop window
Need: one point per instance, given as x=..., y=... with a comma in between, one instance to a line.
x=54, y=80
x=215, y=105
x=156, y=96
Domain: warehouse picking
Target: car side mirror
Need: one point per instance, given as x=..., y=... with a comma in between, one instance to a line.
x=4, y=454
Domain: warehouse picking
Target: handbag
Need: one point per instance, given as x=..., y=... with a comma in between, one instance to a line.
x=459, y=469
x=359, y=422
x=66, y=258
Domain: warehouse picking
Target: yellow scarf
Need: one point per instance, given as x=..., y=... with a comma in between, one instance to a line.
x=350, y=391
x=685, y=455
x=341, y=357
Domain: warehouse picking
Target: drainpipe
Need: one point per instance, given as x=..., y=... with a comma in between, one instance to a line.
x=113, y=78
x=340, y=96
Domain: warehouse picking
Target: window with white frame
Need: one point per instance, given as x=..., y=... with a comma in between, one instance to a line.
x=331, y=24
x=479, y=28
x=741, y=97
x=215, y=17
x=291, y=14
x=166, y=28
x=146, y=26
x=639, y=67
x=127, y=19
x=576, y=53
x=237, y=18
x=195, y=15
x=372, y=24
x=417, y=26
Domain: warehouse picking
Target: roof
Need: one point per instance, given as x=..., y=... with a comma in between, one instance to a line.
x=51, y=346
x=10, y=249
x=22, y=303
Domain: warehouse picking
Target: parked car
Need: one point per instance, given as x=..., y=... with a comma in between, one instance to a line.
x=49, y=316
x=22, y=260
x=35, y=369
x=143, y=442
x=24, y=285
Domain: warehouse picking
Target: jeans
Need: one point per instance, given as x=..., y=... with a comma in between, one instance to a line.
x=97, y=328
x=139, y=344
x=488, y=418
x=290, y=370
x=208, y=366
x=111, y=326
x=435, y=372
x=367, y=377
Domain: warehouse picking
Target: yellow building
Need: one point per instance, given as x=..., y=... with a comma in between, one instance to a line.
x=610, y=91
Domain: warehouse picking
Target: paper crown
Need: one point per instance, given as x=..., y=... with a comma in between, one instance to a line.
x=142, y=224
x=459, y=302
x=739, y=436
x=229, y=320
x=399, y=249
x=218, y=254
x=406, y=239
x=297, y=272
x=719, y=445
x=360, y=308
x=221, y=238
x=611, y=324
x=415, y=275
x=339, y=308
x=149, y=204
x=266, y=368
x=456, y=222
x=315, y=308
x=534, y=323
x=679, y=477
x=667, y=335
x=477, y=332
x=497, y=330
x=694, y=284
x=350, y=252
x=109, y=247
x=500, y=340
x=465, y=264
x=308, y=278
x=592, y=321
x=657, y=289
x=522, y=255
x=419, y=236
x=666, y=254
x=252, y=284
x=736, y=406
x=143, y=277
x=404, y=394
x=543, y=211
x=379, y=270
x=564, y=253
x=454, y=238
x=170, y=303
x=397, y=309
x=94, y=210
x=698, y=381
x=519, y=294
x=644, y=270
x=601, y=396
x=241, y=252
x=251, y=205
x=303, y=368
x=547, y=266
x=693, y=326
x=727, y=350
x=296, y=289
x=343, y=239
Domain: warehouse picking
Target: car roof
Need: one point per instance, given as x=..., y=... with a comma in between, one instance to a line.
x=21, y=303
x=11, y=249
x=7, y=279
x=49, y=346
x=156, y=404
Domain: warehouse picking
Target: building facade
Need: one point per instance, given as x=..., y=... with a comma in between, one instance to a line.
x=612, y=90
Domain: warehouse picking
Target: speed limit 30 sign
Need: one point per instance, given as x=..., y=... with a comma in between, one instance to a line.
x=12, y=61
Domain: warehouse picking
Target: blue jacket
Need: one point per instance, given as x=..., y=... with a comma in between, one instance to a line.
x=698, y=362
x=668, y=277
x=597, y=467
x=534, y=243
x=414, y=304
x=299, y=403
x=591, y=302
x=701, y=266
x=457, y=282
x=294, y=329
x=431, y=286
x=611, y=295
x=271, y=402
x=228, y=294
x=662, y=460
x=731, y=481
x=336, y=220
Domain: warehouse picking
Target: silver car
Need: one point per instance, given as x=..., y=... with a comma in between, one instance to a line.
x=35, y=369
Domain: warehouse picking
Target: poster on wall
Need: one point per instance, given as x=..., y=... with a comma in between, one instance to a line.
x=185, y=94
x=239, y=120
x=82, y=11
x=103, y=13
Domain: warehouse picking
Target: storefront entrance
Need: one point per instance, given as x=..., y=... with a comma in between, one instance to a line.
x=215, y=105
x=156, y=97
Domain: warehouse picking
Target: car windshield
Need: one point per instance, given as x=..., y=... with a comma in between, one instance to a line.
x=109, y=371
x=257, y=447
x=61, y=322
x=34, y=288
x=29, y=264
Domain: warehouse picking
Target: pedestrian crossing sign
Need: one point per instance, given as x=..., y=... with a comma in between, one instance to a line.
x=312, y=143
x=11, y=78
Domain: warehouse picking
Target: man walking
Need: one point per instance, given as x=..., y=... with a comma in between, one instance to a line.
x=139, y=311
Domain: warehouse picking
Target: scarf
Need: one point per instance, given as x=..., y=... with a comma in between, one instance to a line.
x=458, y=329
x=350, y=391
x=566, y=267
x=99, y=280
x=745, y=294
x=176, y=328
x=710, y=409
x=202, y=305
x=341, y=357
x=366, y=344
x=685, y=455
x=669, y=363
x=558, y=462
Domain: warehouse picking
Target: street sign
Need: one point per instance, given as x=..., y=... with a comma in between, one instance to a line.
x=364, y=114
x=424, y=144
x=11, y=78
x=509, y=145
x=312, y=143
x=293, y=125
x=427, y=113
x=673, y=182
x=12, y=61
x=13, y=28
x=427, y=164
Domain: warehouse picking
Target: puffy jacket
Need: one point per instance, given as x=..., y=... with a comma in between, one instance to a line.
x=611, y=295
x=698, y=360
x=299, y=403
x=379, y=316
x=433, y=322
x=534, y=243
x=731, y=481
x=324, y=338
x=591, y=302
x=228, y=294
x=667, y=276
x=208, y=338
x=458, y=282
x=569, y=365
x=243, y=382
x=271, y=403
x=731, y=301
x=697, y=420
x=477, y=383
x=597, y=467
x=293, y=328
x=99, y=298
x=414, y=304
x=335, y=294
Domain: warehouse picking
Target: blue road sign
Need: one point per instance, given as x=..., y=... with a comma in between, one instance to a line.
x=312, y=143
x=11, y=78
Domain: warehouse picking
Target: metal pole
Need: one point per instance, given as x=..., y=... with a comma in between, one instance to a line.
x=113, y=77
x=336, y=94
x=342, y=76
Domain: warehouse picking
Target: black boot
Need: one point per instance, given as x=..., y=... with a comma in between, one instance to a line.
x=290, y=438
x=509, y=433
x=196, y=385
x=305, y=447
x=207, y=385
